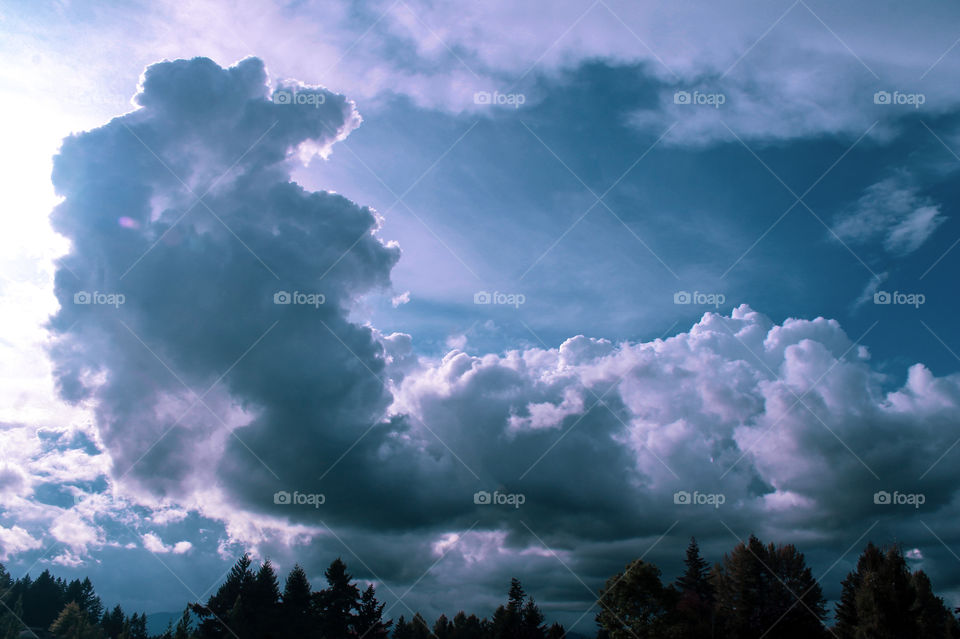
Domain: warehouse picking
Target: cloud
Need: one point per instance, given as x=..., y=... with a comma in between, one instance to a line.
x=800, y=70
x=894, y=212
x=235, y=282
x=233, y=380
x=15, y=540
x=154, y=544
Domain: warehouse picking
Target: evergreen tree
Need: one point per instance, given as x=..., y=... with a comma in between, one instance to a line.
x=83, y=594
x=442, y=627
x=338, y=603
x=471, y=627
x=402, y=629
x=795, y=605
x=223, y=615
x=74, y=623
x=6, y=584
x=881, y=599
x=11, y=623
x=846, y=615
x=112, y=622
x=298, y=617
x=137, y=627
x=263, y=604
x=531, y=621
x=184, y=629
x=764, y=589
x=695, y=605
x=370, y=624
x=419, y=628
x=43, y=600
x=556, y=631
x=933, y=618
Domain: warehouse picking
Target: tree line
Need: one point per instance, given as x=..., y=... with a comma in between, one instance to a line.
x=756, y=591
x=763, y=591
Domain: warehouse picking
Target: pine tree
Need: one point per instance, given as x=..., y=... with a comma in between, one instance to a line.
x=556, y=631
x=881, y=599
x=402, y=629
x=471, y=627
x=297, y=611
x=184, y=629
x=846, y=615
x=442, y=627
x=10, y=621
x=768, y=588
x=695, y=606
x=263, y=604
x=75, y=623
x=223, y=615
x=112, y=622
x=337, y=603
x=933, y=618
x=370, y=624
x=43, y=600
x=531, y=621
x=137, y=628
x=83, y=594
x=419, y=628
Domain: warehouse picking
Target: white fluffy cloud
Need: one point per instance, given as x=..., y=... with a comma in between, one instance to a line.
x=154, y=544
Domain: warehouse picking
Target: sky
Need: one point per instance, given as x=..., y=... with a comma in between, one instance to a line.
x=465, y=292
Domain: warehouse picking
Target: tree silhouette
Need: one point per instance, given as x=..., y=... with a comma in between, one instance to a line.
x=370, y=623
x=635, y=605
x=882, y=599
x=697, y=596
x=338, y=603
x=74, y=623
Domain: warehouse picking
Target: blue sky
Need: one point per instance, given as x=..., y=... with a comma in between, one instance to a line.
x=791, y=166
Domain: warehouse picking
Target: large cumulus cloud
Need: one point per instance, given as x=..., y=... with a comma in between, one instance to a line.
x=184, y=207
